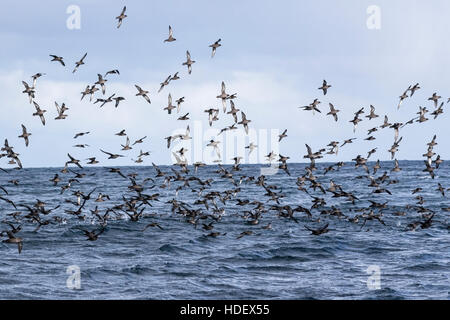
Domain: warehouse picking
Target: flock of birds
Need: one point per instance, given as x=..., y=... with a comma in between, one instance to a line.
x=206, y=210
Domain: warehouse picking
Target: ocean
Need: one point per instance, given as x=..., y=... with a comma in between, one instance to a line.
x=360, y=260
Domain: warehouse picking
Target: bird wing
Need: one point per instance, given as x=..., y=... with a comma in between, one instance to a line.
x=110, y=154
x=308, y=148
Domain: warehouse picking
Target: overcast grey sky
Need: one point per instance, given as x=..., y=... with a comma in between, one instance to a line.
x=274, y=55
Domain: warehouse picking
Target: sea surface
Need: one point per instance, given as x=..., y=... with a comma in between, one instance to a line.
x=351, y=261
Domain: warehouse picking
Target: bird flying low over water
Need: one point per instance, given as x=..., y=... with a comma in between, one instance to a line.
x=111, y=155
x=92, y=235
x=13, y=239
x=318, y=231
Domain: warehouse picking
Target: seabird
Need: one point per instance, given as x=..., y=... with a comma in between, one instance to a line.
x=121, y=133
x=319, y=231
x=403, y=97
x=25, y=135
x=435, y=98
x=14, y=239
x=251, y=147
x=74, y=161
x=312, y=106
x=28, y=90
x=152, y=224
x=233, y=111
x=92, y=160
x=372, y=114
x=127, y=145
x=56, y=58
x=92, y=235
x=101, y=82
x=244, y=122
x=179, y=102
x=347, y=141
x=214, y=144
x=214, y=47
x=324, y=87
x=414, y=89
x=39, y=112
x=142, y=93
x=333, y=112
x=141, y=140
x=35, y=77
x=115, y=71
x=185, y=117
x=165, y=83
x=223, y=96
x=283, y=135
x=80, y=134
x=121, y=17
x=170, y=106
x=79, y=63
x=170, y=38
x=189, y=62
x=111, y=155
x=61, y=110
x=117, y=100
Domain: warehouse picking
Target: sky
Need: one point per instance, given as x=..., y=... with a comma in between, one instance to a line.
x=274, y=55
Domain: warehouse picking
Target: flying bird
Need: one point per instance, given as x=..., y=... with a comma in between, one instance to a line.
x=59, y=59
x=325, y=87
x=121, y=17
x=170, y=38
x=25, y=135
x=214, y=47
x=283, y=135
x=111, y=155
x=333, y=112
x=189, y=62
x=79, y=63
x=244, y=122
x=39, y=112
x=142, y=93
x=101, y=82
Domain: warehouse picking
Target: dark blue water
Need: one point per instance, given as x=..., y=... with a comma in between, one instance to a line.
x=181, y=262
